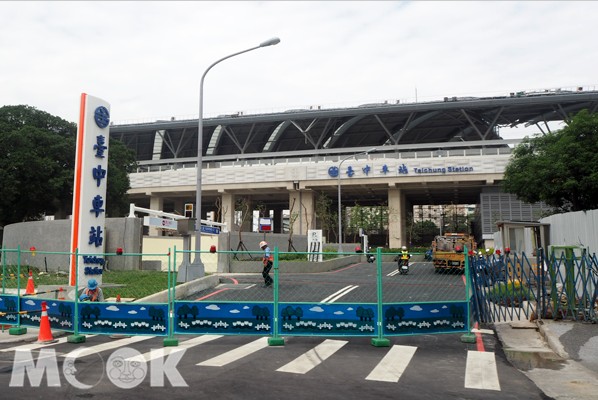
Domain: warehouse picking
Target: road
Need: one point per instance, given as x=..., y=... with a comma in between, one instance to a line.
x=244, y=367
x=354, y=283
x=306, y=367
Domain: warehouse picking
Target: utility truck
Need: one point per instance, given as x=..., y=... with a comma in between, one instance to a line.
x=448, y=251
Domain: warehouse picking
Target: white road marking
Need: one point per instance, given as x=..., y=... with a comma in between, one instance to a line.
x=236, y=354
x=480, y=371
x=338, y=294
x=86, y=351
x=392, y=366
x=313, y=357
x=33, y=346
x=163, y=352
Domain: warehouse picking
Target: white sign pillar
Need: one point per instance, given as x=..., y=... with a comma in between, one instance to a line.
x=89, y=191
x=314, y=242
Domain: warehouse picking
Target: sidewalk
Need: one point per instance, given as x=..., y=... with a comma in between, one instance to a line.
x=31, y=335
x=558, y=356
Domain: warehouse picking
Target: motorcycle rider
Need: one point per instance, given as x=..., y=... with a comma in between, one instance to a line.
x=405, y=254
x=404, y=258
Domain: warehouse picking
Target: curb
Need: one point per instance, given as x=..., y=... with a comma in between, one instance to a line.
x=552, y=340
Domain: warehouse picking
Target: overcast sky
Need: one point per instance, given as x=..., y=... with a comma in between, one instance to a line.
x=146, y=58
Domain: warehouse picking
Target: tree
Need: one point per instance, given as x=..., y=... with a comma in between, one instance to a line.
x=424, y=232
x=325, y=216
x=121, y=162
x=37, y=157
x=558, y=168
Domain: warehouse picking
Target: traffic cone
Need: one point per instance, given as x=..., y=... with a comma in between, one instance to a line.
x=118, y=298
x=30, y=284
x=45, y=333
x=60, y=294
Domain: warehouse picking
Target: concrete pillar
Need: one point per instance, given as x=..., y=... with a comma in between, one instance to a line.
x=302, y=210
x=397, y=218
x=156, y=204
x=228, y=210
x=277, y=228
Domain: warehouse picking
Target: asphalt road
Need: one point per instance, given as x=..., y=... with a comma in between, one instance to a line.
x=244, y=367
x=359, y=282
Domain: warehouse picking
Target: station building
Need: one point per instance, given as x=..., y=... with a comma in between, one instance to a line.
x=391, y=154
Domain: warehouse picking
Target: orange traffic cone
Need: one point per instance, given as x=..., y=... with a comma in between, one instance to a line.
x=118, y=298
x=45, y=333
x=60, y=294
x=30, y=284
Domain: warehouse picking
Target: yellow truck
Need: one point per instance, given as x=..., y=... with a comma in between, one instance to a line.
x=448, y=251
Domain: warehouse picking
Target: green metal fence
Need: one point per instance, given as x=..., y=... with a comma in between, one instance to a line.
x=312, y=294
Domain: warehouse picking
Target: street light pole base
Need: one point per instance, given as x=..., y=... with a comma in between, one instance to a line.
x=191, y=271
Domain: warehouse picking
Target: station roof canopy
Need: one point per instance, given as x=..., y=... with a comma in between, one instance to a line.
x=329, y=131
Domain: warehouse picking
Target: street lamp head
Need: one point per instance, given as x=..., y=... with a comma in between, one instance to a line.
x=270, y=42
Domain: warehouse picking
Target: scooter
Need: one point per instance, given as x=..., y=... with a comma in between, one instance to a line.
x=403, y=266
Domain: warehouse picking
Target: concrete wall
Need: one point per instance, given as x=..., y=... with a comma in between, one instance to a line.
x=163, y=244
x=578, y=228
x=55, y=237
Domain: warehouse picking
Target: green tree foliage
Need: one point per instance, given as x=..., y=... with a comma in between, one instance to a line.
x=558, y=168
x=326, y=216
x=37, y=157
x=424, y=233
x=372, y=219
x=121, y=162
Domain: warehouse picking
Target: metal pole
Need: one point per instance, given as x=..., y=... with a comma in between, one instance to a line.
x=197, y=263
x=340, y=222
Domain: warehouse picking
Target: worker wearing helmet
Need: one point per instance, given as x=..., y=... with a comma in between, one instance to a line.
x=267, y=260
x=92, y=292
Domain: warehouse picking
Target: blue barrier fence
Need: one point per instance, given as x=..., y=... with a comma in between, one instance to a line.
x=386, y=304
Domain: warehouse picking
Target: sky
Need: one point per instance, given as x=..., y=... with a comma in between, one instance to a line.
x=146, y=58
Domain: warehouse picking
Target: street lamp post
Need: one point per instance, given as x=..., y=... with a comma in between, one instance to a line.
x=340, y=226
x=197, y=264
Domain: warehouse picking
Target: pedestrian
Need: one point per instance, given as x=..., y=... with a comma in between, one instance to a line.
x=267, y=260
x=92, y=292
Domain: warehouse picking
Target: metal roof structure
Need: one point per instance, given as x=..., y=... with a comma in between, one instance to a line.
x=320, y=131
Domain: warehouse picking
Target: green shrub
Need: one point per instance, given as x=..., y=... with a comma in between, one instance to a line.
x=510, y=293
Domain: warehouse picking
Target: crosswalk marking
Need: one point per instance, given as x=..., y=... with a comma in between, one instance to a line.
x=163, y=352
x=313, y=357
x=236, y=354
x=392, y=366
x=86, y=351
x=480, y=371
